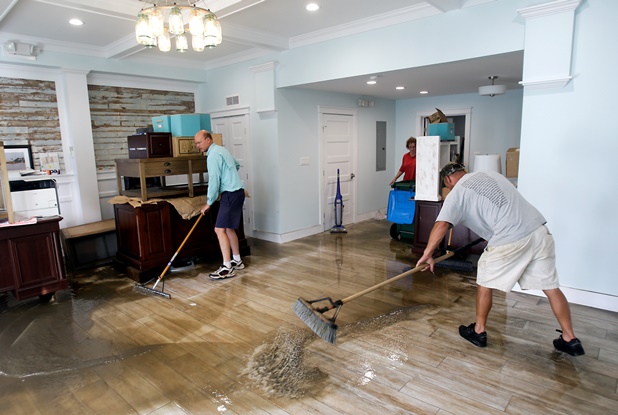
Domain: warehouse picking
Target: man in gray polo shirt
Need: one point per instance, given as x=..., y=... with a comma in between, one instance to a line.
x=520, y=248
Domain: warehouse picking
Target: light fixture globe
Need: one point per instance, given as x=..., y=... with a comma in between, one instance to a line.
x=161, y=20
x=492, y=90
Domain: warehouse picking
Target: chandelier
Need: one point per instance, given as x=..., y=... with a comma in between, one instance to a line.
x=160, y=22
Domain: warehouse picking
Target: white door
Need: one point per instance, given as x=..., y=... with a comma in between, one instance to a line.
x=338, y=149
x=234, y=133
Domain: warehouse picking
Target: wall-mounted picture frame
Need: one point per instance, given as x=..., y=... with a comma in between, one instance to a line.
x=18, y=157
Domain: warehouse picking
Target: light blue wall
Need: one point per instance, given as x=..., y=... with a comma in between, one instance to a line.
x=264, y=138
x=300, y=137
x=457, y=35
x=569, y=152
x=495, y=122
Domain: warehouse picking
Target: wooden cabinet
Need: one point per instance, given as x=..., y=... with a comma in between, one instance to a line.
x=150, y=145
x=162, y=167
x=32, y=263
x=149, y=235
x=424, y=219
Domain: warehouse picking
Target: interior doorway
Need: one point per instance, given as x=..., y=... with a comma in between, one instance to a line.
x=461, y=118
x=338, y=144
x=234, y=130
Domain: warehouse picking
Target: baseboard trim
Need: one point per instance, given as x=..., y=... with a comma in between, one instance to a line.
x=581, y=297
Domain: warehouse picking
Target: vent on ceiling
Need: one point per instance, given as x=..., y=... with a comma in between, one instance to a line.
x=233, y=100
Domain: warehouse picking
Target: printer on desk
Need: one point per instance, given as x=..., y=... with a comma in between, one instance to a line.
x=35, y=197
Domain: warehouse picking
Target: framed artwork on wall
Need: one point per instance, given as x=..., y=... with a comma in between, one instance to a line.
x=18, y=157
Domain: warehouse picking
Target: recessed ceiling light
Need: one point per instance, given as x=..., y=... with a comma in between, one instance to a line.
x=76, y=22
x=400, y=87
x=424, y=92
x=312, y=7
x=372, y=82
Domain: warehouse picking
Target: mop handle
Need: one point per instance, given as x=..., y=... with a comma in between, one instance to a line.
x=169, y=264
x=409, y=272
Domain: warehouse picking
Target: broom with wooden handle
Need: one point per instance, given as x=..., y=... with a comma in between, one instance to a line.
x=142, y=289
x=325, y=327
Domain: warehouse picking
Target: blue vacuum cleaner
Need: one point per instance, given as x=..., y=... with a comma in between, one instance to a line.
x=338, y=228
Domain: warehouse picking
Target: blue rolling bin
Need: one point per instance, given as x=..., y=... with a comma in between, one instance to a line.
x=401, y=209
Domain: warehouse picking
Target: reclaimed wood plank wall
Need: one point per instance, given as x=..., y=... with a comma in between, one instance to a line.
x=29, y=115
x=117, y=112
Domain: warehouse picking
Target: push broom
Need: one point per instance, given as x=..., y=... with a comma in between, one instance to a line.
x=142, y=289
x=324, y=327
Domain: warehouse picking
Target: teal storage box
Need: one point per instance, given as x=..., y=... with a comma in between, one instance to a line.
x=161, y=124
x=187, y=125
x=446, y=131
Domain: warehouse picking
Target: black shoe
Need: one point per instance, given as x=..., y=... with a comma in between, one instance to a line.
x=573, y=347
x=477, y=339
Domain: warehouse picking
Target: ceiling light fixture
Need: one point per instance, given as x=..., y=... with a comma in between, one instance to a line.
x=423, y=92
x=372, y=80
x=161, y=21
x=492, y=89
x=400, y=88
x=76, y=22
x=312, y=7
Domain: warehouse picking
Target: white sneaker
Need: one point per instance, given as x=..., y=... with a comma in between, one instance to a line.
x=222, y=272
x=238, y=264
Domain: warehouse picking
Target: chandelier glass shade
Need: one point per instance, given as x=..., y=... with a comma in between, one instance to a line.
x=159, y=22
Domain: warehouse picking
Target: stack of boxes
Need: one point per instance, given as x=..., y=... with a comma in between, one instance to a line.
x=440, y=126
x=172, y=136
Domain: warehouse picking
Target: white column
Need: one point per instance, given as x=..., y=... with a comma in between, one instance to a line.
x=78, y=145
x=548, y=44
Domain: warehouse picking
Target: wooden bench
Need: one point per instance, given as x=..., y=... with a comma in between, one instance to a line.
x=90, y=245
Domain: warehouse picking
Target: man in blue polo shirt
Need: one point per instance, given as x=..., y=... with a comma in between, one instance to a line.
x=224, y=183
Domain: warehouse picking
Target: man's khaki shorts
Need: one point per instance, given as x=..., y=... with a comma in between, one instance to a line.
x=531, y=262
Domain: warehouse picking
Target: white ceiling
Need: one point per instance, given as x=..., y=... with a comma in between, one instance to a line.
x=252, y=28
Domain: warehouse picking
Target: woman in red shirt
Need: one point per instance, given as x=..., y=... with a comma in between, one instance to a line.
x=408, y=163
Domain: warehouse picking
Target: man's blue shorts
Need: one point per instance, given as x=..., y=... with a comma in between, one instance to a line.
x=230, y=209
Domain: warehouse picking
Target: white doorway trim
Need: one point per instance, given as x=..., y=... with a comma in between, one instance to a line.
x=453, y=112
x=243, y=113
x=322, y=110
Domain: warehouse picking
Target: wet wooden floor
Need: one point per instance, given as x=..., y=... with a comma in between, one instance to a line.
x=111, y=350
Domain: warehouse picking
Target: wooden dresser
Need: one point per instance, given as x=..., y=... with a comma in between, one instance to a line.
x=149, y=235
x=162, y=167
x=32, y=263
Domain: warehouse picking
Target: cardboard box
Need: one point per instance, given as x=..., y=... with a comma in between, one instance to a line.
x=437, y=117
x=512, y=162
x=446, y=131
x=445, y=192
x=185, y=146
x=186, y=125
x=161, y=123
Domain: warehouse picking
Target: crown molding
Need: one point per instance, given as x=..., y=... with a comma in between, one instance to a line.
x=549, y=9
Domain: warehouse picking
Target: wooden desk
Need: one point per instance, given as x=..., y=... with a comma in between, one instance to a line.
x=32, y=261
x=161, y=167
x=149, y=235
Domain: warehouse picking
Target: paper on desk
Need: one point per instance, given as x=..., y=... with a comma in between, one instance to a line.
x=29, y=221
x=187, y=207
